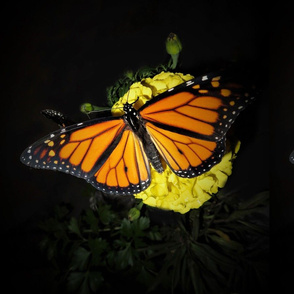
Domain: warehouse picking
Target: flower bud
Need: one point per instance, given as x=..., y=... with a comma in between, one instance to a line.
x=173, y=44
x=134, y=213
x=87, y=108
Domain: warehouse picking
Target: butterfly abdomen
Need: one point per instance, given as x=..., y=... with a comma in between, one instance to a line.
x=152, y=152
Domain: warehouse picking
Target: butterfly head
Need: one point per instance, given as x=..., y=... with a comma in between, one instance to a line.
x=131, y=116
x=129, y=108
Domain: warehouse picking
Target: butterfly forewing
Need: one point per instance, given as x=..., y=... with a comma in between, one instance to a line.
x=201, y=108
x=77, y=149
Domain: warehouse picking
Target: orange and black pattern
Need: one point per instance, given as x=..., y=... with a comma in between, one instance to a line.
x=187, y=125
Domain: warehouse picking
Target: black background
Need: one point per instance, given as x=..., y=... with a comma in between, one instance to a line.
x=61, y=54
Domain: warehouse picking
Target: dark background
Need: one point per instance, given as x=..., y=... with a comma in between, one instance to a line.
x=61, y=54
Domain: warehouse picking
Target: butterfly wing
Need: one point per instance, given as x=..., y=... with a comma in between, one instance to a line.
x=102, y=151
x=186, y=156
x=126, y=170
x=188, y=124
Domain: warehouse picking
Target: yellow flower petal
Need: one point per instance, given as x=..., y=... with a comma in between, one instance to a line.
x=237, y=147
x=159, y=190
x=151, y=201
x=158, y=87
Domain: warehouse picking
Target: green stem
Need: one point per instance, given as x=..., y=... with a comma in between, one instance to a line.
x=175, y=58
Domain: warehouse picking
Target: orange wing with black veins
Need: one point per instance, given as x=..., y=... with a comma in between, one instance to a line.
x=103, y=152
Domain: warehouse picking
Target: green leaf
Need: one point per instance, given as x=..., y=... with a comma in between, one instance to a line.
x=177, y=266
x=144, y=223
x=125, y=257
x=105, y=214
x=195, y=223
x=74, y=227
x=227, y=244
x=49, y=247
x=55, y=227
x=119, y=259
x=111, y=259
x=135, y=228
x=254, y=228
x=162, y=274
x=95, y=280
x=84, y=282
x=91, y=219
x=144, y=276
x=258, y=199
x=62, y=211
x=155, y=235
x=97, y=247
x=75, y=280
x=80, y=259
x=195, y=277
x=126, y=228
x=206, y=254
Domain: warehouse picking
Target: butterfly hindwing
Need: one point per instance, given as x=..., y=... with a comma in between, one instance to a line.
x=185, y=155
x=126, y=170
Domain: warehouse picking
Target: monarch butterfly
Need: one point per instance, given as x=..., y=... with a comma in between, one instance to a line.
x=185, y=126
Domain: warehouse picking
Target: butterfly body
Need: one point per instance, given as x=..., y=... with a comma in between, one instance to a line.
x=184, y=126
x=137, y=124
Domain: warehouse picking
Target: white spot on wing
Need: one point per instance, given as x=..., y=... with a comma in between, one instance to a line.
x=191, y=82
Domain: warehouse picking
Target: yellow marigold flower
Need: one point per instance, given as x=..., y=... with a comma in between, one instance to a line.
x=167, y=190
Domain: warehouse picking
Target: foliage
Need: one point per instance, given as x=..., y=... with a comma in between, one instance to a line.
x=219, y=248
x=122, y=85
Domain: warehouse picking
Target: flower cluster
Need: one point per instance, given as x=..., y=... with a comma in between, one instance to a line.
x=167, y=190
